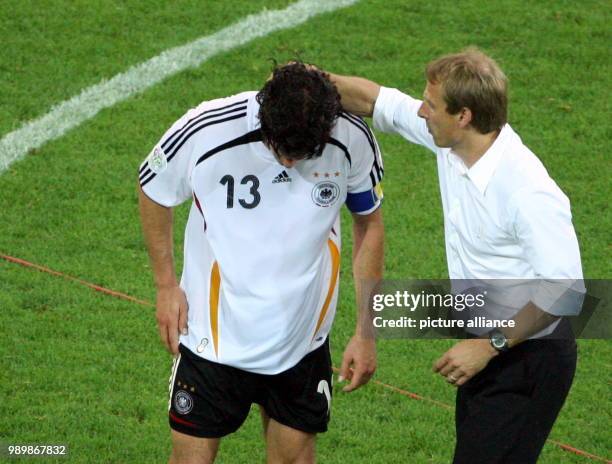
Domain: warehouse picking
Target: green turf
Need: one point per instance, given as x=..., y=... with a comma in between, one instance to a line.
x=87, y=369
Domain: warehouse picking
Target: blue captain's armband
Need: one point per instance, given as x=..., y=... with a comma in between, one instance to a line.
x=364, y=202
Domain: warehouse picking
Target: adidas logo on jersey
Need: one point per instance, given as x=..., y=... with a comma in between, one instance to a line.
x=282, y=177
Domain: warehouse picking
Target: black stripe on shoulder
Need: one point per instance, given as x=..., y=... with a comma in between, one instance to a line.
x=167, y=147
x=249, y=137
x=342, y=147
x=144, y=174
x=146, y=180
x=358, y=119
x=193, y=120
x=366, y=130
x=199, y=128
x=187, y=132
x=362, y=125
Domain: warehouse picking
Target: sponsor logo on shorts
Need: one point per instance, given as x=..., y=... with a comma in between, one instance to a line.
x=325, y=193
x=183, y=402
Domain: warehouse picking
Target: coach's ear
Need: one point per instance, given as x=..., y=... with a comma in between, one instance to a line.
x=464, y=117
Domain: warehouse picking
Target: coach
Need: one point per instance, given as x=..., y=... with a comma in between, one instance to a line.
x=504, y=218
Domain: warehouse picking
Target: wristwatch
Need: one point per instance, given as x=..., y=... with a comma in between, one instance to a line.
x=498, y=340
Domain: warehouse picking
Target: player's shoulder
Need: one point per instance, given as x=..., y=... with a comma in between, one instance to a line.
x=354, y=133
x=352, y=129
x=219, y=110
x=232, y=103
x=209, y=122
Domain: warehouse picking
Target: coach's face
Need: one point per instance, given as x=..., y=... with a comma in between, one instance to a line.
x=444, y=127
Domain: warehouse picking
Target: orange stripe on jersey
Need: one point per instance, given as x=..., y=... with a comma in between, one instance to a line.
x=215, y=283
x=335, y=256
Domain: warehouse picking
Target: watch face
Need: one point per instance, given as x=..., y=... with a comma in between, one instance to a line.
x=498, y=340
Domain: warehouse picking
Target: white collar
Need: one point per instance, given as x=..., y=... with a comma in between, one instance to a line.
x=482, y=170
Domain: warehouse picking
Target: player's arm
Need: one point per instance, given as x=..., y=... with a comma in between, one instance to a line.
x=358, y=95
x=171, y=303
x=368, y=260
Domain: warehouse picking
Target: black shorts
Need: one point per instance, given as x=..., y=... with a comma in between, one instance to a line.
x=212, y=400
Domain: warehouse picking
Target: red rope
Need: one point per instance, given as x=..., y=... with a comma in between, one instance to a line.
x=95, y=287
x=406, y=393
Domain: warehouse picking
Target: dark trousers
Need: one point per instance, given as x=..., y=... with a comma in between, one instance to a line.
x=505, y=413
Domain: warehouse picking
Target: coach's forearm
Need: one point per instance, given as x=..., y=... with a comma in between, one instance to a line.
x=157, y=229
x=529, y=321
x=368, y=263
x=358, y=95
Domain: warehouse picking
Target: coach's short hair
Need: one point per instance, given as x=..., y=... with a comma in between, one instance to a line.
x=471, y=79
x=298, y=109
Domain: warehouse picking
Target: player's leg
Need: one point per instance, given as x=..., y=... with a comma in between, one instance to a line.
x=286, y=445
x=265, y=421
x=296, y=407
x=187, y=449
x=207, y=401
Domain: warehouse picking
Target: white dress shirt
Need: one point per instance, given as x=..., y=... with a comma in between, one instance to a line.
x=504, y=218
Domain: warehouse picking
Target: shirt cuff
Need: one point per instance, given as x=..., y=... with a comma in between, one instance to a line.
x=560, y=297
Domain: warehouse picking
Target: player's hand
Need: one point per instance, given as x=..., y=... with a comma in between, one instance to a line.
x=171, y=316
x=358, y=362
x=464, y=360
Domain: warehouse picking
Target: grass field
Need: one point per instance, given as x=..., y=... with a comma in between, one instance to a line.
x=86, y=369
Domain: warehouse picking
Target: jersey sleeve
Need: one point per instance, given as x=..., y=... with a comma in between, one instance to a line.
x=397, y=113
x=543, y=226
x=164, y=176
x=364, y=190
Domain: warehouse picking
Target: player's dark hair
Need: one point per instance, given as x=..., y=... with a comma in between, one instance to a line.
x=298, y=109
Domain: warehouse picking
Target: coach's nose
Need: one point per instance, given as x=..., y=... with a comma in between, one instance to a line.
x=421, y=113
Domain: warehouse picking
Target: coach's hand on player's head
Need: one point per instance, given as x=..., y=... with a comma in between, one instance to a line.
x=171, y=316
x=358, y=362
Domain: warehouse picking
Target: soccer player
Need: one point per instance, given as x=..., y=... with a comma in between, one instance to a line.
x=504, y=218
x=267, y=173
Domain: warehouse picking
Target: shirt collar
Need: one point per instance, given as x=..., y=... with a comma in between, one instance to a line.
x=482, y=171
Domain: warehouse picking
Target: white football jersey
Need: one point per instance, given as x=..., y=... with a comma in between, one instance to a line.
x=262, y=242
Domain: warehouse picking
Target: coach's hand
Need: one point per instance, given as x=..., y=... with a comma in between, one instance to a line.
x=171, y=316
x=360, y=353
x=464, y=360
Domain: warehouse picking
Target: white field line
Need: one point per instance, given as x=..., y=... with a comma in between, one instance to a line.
x=70, y=113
